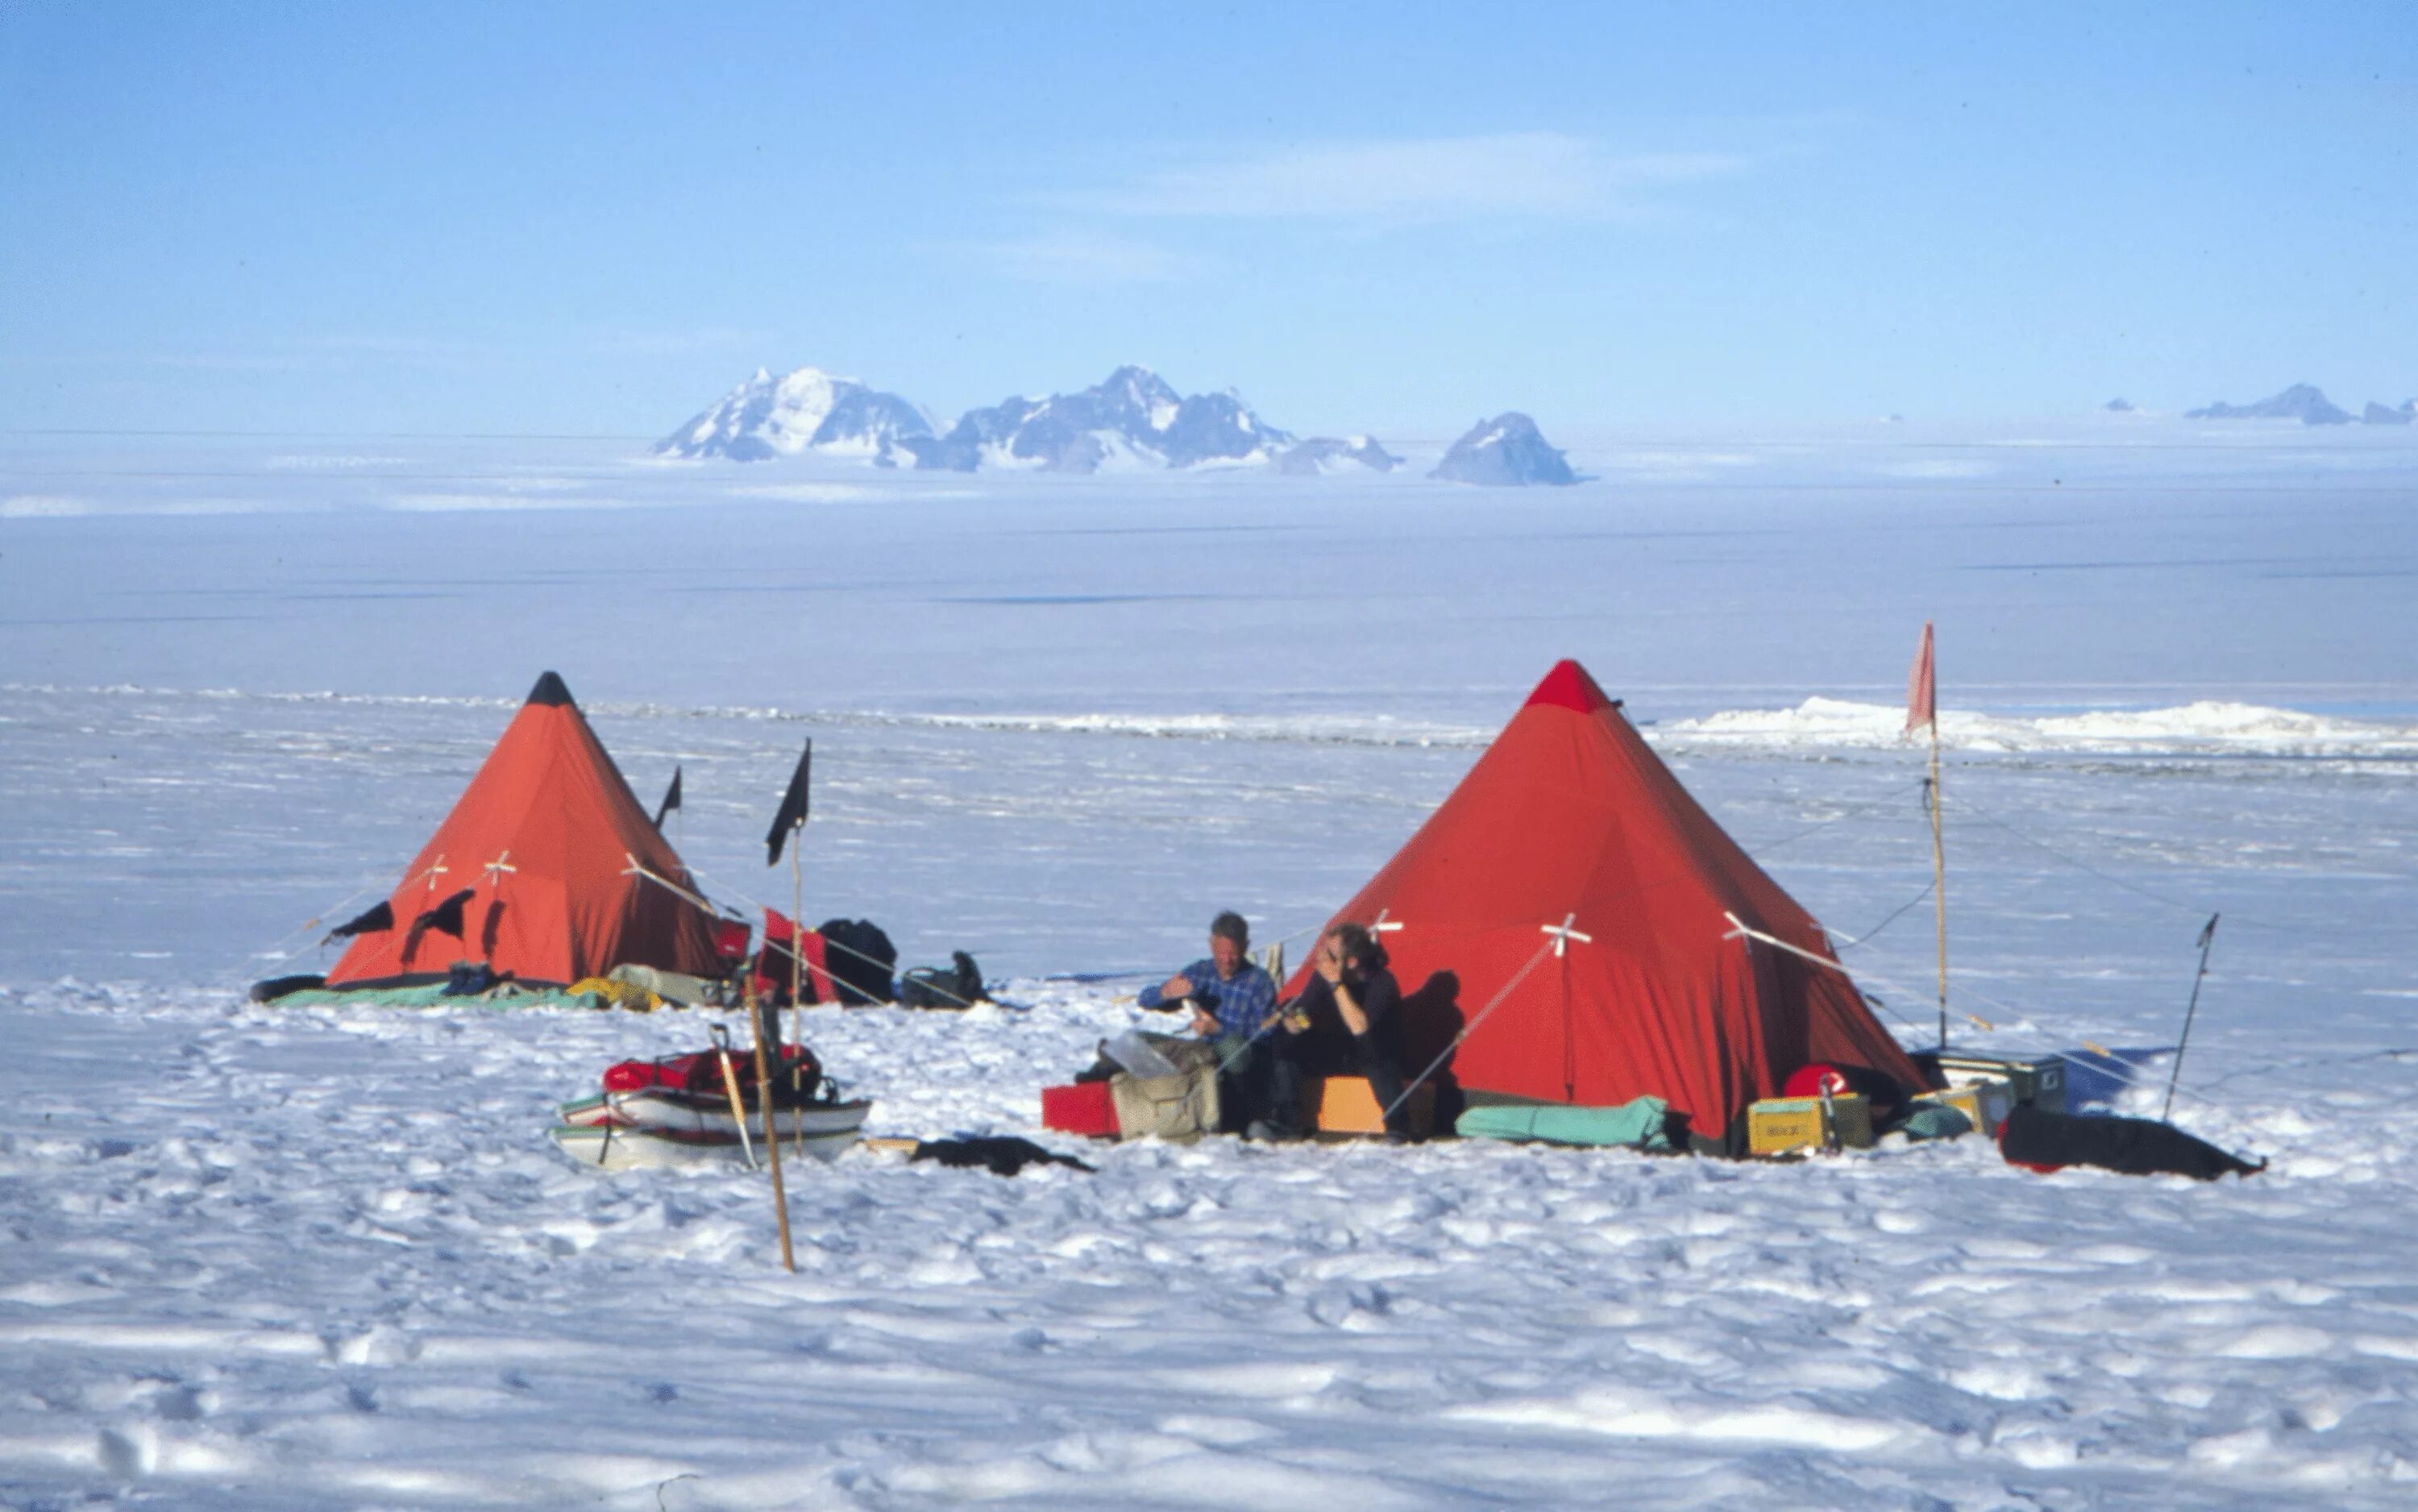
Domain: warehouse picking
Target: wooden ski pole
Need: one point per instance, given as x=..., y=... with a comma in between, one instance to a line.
x=731, y=1085
x=772, y=1140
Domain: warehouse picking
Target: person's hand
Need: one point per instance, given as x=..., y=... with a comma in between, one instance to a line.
x=1176, y=987
x=1204, y=1023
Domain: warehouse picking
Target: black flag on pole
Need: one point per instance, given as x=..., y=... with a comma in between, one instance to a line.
x=377, y=920
x=446, y=918
x=671, y=800
x=793, y=809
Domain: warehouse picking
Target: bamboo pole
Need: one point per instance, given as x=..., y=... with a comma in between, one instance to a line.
x=771, y=1141
x=798, y=929
x=1939, y=880
x=731, y=1085
x=798, y=957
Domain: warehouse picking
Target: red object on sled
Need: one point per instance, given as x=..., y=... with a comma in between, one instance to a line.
x=1083, y=1108
x=701, y=1071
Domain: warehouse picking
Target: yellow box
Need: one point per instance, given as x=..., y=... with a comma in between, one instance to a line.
x=1344, y=1105
x=1778, y=1124
x=1983, y=1102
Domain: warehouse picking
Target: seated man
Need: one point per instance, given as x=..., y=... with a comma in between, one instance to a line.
x=1233, y=1006
x=1353, y=992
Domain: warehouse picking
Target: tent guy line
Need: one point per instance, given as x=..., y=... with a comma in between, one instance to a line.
x=2195, y=910
x=1741, y=931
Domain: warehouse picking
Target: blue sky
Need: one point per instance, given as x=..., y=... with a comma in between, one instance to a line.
x=594, y=218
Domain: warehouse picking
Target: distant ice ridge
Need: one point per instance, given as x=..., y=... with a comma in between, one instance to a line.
x=2205, y=728
x=1337, y=729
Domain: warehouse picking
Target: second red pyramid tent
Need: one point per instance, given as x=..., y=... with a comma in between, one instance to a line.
x=555, y=853
x=1571, y=821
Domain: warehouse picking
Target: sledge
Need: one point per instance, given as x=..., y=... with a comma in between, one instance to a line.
x=609, y=1145
x=667, y=1109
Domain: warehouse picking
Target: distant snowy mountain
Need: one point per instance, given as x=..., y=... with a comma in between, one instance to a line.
x=2377, y=414
x=1133, y=419
x=1326, y=454
x=2303, y=402
x=801, y=411
x=2120, y=406
x=1507, y=450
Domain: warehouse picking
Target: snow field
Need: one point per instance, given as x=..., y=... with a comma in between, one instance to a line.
x=322, y=1258
x=256, y=1259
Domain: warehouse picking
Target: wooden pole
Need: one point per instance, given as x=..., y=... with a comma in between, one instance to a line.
x=731, y=1085
x=1939, y=880
x=771, y=1141
x=798, y=958
x=798, y=928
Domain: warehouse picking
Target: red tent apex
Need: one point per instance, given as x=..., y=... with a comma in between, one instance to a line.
x=1569, y=686
x=549, y=691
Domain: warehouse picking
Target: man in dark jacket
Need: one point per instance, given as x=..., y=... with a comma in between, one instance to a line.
x=1350, y=990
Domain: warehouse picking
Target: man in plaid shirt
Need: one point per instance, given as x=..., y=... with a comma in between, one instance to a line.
x=1232, y=1002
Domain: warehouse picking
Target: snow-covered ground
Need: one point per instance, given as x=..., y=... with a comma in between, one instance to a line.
x=265, y=1259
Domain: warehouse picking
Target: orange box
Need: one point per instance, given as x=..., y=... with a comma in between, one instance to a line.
x=1344, y=1105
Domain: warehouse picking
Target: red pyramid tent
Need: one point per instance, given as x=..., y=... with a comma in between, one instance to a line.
x=1571, y=817
x=544, y=839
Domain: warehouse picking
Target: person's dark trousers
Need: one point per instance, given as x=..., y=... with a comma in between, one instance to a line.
x=1286, y=1055
x=1243, y=1084
x=1376, y=1062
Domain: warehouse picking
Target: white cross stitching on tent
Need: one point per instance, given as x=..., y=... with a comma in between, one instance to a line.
x=1563, y=933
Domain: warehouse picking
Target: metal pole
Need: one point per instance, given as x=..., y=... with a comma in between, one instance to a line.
x=2207, y=939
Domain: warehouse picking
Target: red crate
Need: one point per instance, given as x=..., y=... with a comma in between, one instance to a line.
x=1084, y=1108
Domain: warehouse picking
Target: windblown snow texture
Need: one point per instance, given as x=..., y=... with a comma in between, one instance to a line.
x=1505, y=451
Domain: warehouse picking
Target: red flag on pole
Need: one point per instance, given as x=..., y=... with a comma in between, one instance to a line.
x=1922, y=688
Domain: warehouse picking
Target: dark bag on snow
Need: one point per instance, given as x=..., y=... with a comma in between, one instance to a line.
x=859, y=959
x=278, y=986
x=2134, y=1146
x=957, y=986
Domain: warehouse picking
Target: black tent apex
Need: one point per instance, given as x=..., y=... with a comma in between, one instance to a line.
x=550, y=691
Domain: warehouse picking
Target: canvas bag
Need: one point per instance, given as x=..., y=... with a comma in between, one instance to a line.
x=1181, y=1107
